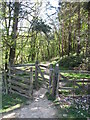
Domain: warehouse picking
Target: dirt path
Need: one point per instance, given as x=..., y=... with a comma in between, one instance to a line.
x=39, y=108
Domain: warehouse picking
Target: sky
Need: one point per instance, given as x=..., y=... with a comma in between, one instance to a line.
x=49, y=11
x=44, y=11
x=54, y=3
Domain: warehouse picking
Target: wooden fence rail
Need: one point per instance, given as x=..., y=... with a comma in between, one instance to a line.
x=21, y=81
x=55, y=78
x=23, y=65
x=75, y=71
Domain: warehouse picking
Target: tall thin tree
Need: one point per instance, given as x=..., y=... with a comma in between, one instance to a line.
x=14, y=32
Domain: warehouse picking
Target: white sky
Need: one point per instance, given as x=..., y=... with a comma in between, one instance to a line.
x=54, y=3
x=43, y=11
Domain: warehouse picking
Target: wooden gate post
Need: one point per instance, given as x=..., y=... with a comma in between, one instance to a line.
x=55, y=81
x=9, y=78
x=36, y=73
x=31, y=83
x=50, y=77
x=6, y=84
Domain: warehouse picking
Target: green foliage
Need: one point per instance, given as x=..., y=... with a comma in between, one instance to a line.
x=40, y=26
x=11, y=102
x=76, y=75
x=72, y=112
x=49, y=96
x=37, y=40
x=86, y=6
x=71, y=61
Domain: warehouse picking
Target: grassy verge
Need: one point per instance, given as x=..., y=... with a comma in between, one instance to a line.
x=70, y=111
x=76, y=75
x=69, y=62
x=11, y=102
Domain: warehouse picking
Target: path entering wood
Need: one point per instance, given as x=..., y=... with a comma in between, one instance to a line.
x=41, y=107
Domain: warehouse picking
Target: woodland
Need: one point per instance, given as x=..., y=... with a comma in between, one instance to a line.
x=66, y=35
x=40, y=31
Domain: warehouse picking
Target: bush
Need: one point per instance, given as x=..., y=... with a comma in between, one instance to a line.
x=71, y=62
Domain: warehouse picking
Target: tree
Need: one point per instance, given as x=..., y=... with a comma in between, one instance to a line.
x=79, y=24
x=16, y=6
x=87, y=8
x=6, y=9
x=69, y=35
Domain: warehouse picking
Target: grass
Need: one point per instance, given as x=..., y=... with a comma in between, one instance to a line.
x=72, y=112
x=49, y=96
x=69, y=111
x=65, y=92
x=11, y=102
x=69, y=62
x=76, y=75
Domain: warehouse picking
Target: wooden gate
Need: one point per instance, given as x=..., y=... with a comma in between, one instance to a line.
x=57, y=84
x=20, y=80
x=49, y=77
x=73, y=87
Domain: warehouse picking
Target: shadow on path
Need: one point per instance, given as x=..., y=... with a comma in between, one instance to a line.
x=39, y=108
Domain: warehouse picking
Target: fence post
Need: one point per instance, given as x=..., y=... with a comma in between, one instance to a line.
x=55, y=81
x=50, y=77
x=5, y=80
x=57, y=95
x=31, y=83
x=74, y=90
x=36, y=73
x=9, y=78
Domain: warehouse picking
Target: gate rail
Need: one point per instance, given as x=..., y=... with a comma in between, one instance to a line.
x=21, y=81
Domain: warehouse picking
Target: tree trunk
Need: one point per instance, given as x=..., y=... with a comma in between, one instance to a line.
x=14, y=33
x=33, y=45
x=48, y=50
x=7, y=29
x=78, y=40
x=6, y=57
x=58, y=42
x=88, y=43
x=69, y=37
x=69, y=43
x=74, y=42
x=62, y=37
